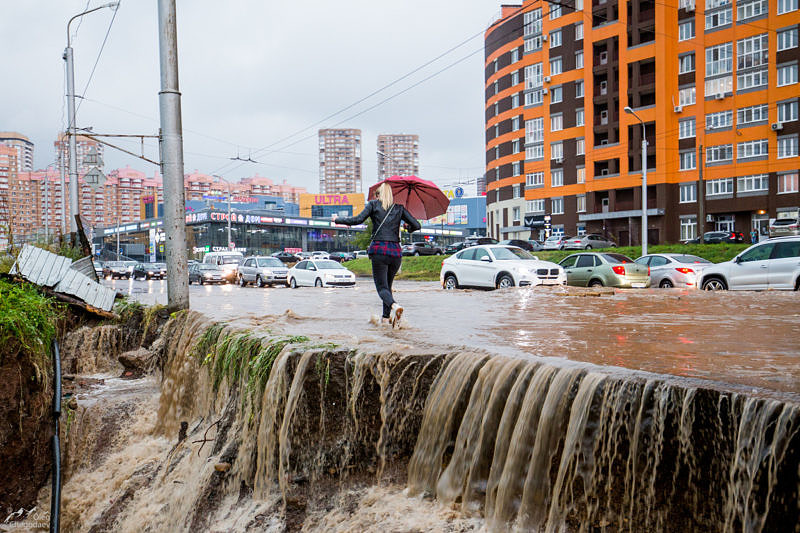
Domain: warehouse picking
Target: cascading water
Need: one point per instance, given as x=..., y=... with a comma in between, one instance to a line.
x=250, y=431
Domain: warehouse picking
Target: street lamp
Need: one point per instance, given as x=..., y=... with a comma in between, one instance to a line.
x=229, y=207
x=644, y=179
x=73, y=163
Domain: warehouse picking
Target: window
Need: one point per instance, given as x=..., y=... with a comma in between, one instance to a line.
x=496, y=86
x=514, y=78
x=579, y=31
x=497, y=152
x=747, y=9
x=788, y=182
x=688, y=228
x=752, y=52
x=535, y=206
x=723, y=85
x=750, y=149
x=533, y=44
x=555, y=38
x=555, y=66
x=534, y=97
x=497, y=130
x=581, y=174
x=755, y=183
x=515, y=100
x=578, y=5
x=579, y=117
x=579, y=59
x=515, y=214
x=515, y=55
x=688, y=193
x=580, y=203
x=555, y=11
x=747, y=115
x=556, y=95
x=557, y=206
x=686, y=128
x=515, y=124
x=533, y=22
x=719, y=59
x=723, y=119
x=496, y=108
x=515, y=146
x=686, y=30
x=686, y=96
x=717, y=154
x=716, y=19
x=516, y=169
x=556, y=177
x=535, y=152
x=556, y=122
x=787, y=146
x=579, y=89
x=687, y=160
x=533, y=76
x=534, y=130
x=787, y=39
x=785, y=6
x=535, y=179
x=515, y=191
x=787, y=74
x=580, y=146
x=787, y=111
x=752, y=79
x=686, y=63
x=720, y=186
x=556, y=150
x=683, y=4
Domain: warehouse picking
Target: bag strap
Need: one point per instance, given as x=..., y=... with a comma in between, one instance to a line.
x=381, y=225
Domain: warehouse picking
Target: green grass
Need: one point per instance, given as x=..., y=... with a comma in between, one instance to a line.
x=427, y=268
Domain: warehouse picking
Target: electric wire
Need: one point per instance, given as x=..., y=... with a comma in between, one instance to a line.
x=100, y=53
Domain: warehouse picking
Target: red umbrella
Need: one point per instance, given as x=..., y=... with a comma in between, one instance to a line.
x=423, y=199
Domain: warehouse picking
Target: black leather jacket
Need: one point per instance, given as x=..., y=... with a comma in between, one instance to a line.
x=390, y=230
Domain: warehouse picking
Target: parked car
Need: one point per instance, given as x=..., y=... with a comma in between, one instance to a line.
x=605, y=270
x=717, y=237
x=320, y=273
x=320, y=255
x=285, y=257
x=203, y=273
x=674, y=270
x=361, y=253
x=498, y=267
x=98, y=267
x=784, y=226
x=228, y=261
x=148, y=271
x=555, y=242
x=770, y=264
x=421, y=248
x=262, y=271
x=531, y=246
x=341, y=257
x=588, y=242
x=302, y=255
x=116, y=270
x=475, y=241
x=455, y=247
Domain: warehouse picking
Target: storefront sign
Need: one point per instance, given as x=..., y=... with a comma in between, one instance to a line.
x=331, y=199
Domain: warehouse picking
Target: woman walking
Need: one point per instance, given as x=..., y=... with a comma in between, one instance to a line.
x=384, y=248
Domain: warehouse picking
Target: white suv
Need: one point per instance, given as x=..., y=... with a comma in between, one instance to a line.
x=770, y=264
x=498, y=266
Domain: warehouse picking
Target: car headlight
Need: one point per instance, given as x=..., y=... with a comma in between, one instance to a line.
x=207, y=275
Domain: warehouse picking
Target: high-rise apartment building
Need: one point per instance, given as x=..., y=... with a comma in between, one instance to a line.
x=339, y=161
x=22, y=145
x=398, y=155
x=715, y=84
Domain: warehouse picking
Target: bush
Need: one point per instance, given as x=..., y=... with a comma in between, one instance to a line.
x=27, y=319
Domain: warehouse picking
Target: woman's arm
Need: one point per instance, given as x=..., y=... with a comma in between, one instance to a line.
x=358, y=219
x=413, y=224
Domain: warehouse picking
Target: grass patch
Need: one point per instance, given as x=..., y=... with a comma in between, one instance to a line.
x=427, y=268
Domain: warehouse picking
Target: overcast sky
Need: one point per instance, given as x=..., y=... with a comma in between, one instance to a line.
x=252, y=73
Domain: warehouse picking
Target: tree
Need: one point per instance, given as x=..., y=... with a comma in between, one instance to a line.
x=362, y=239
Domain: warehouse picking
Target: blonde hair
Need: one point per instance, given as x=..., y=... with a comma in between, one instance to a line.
x=384, y=194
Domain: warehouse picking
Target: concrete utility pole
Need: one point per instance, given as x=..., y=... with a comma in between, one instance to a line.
x=169, y=99
x=644, y=180
x=63, y=194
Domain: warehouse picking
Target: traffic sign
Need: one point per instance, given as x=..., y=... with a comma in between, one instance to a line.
x=95, y=178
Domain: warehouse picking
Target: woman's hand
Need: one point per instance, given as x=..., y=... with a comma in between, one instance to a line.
x=334, y=217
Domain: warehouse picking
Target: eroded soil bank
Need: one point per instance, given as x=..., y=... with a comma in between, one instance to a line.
x=236, y=430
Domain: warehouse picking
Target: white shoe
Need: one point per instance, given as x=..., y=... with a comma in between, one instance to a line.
x=395, y=314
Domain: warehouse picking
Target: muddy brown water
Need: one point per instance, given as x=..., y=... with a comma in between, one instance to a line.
x=747, y=341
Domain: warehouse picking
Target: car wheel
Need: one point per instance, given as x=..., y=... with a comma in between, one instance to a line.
x=505, y=282
x=561, y=247
x=292, y=283
x=595, y=283
x=666, y=284
x=318, y=283
x=201, y=281
x=416, y=253
x=588, y=247
x=259, y=281
x=714, y=284
x=450, y=282
x=613, y=245
x=242, y=282
x=190, y=281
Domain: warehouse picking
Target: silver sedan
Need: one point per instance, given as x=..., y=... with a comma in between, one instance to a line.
x=674, y=270
x=588, y=242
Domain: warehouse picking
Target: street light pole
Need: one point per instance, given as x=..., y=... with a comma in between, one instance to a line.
x=644, y=180
x=73, y=158
x=117, y=236
x=229, y=208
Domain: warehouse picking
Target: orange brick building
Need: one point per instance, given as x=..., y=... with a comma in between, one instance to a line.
x=716, y=84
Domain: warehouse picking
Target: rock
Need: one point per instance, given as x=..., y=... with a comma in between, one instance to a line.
x=137, y=360
x=72, y=403
x=222, y=467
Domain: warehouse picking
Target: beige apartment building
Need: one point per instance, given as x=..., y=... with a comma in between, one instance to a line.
x=23, y=147
x=339, y=161
x=398, y=155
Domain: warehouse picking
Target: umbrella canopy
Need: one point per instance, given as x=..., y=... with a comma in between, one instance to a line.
x=422, y=198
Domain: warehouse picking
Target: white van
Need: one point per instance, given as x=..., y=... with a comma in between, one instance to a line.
x=228, y=261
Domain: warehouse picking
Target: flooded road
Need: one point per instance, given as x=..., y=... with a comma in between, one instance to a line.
x=744, y=340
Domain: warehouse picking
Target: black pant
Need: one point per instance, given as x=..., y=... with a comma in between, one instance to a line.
x=383, y=270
